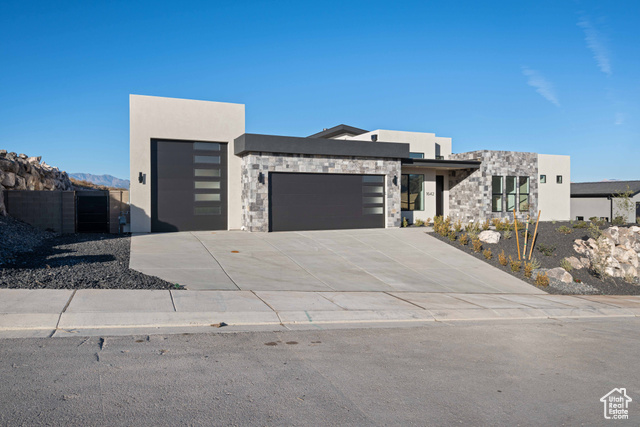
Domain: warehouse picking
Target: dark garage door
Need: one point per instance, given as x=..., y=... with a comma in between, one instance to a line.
x=307, y=201
x=188, y=186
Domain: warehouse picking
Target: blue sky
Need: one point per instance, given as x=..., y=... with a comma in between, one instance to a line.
x=557, y=77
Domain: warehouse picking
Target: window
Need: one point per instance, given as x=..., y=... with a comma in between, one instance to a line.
x=496, y=190
x=210, y=146
x=207, y=197
x=412, y=196
x=543, y=179
x=524, y=194
x=207, y=172
x=558, y=179
x=416, y=155
x=207, y=159
x=206, y=185
x=207, y=210
x=579, y=218
x=512, y=188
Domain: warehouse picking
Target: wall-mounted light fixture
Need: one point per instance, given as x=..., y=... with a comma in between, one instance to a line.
x=374, y=138
x=260, y=177
x=395, y=180
x=142, y=178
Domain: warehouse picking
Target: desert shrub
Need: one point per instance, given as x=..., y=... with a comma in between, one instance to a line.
x=547, y=250
x=542, y=279
x=458, y=226
x=508, y=234
x=463, y=239
x=580, y=224
x=477, y=244
x=418, y=223
x=535, y=264
x=594, y=231
x=487, y=253
x=427, y=221
x=445, y=226
x=506, y=225
x=486, y=225
x=563, y=229
x=619, y=220
x=566, y=264
x=405, y=223
x=515, y=265
x=597, y=221
x=497, y=223
x=629, y=278
x=528, y=269
x=502, y=259
x=452, y=236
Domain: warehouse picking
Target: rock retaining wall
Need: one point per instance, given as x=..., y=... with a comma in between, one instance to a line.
x=21, y=172
x=618, y=250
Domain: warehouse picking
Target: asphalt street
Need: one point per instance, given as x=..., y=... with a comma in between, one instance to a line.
x=542, y=372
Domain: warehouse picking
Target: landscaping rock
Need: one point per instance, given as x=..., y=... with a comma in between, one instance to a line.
x=575, y=262
x=488, y=236
x=559, y=274
x=20, y=172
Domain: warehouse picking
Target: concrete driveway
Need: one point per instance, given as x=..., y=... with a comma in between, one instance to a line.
x=384, y=260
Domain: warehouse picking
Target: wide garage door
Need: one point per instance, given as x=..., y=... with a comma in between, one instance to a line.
x=308, y=201
x=188, y=186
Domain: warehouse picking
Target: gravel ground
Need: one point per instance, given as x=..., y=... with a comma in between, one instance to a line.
x=74, y=261
x=16, y=237
x=563, y=243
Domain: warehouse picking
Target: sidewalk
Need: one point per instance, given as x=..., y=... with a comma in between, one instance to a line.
x=45, y=313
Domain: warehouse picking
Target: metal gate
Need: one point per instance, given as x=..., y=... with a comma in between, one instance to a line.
x=92, y=211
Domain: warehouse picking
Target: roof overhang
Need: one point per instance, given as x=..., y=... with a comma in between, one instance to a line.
x=442, y=164
x=338, y=131
x=255, y=143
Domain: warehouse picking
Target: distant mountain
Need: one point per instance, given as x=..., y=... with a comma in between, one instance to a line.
x=106, y=180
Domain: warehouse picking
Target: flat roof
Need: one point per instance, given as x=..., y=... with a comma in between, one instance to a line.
x=603, y=188
x=338, y=130
x=256, y=143
x=442, y=164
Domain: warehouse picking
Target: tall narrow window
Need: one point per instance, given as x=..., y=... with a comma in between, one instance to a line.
x=543, y=179
x=512, y=188
x=559, y=179
x=496, y=190
x=524, y=194
x=412, y=196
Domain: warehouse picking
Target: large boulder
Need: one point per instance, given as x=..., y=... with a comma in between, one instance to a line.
x=559, y=274
x=488, y=236
x=612, y=233
x=3, y=210
x=9, y=180
x=575, y=263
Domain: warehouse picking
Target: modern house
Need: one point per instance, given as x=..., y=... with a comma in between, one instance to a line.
x=193, y=167
x=602, y=200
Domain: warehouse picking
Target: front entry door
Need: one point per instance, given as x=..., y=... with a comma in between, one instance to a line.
x=439, y=195
x=188, y=186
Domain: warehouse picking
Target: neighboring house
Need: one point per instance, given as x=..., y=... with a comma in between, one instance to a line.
x=600, y=199
x=193, y=167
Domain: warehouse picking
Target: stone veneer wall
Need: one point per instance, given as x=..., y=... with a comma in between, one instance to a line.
x=255, y=195
x=470, y=190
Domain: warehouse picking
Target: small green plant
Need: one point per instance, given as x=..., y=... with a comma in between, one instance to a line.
x=563, y=229
x=457, y=226
x=594, y=230
x=405, y=223
x=515, y=265
x=535, y=264
x=619, y=220
x=463, y=239
x=486, y=225
x=477, y=244
x=487, y=253
x=577, y=280
x=547, y=250
x=452, y=236
x=497, y=223
x=597, y=221
x=508, y=234
x=528, y=269
x=542, y=280
x=427, y=221
x=553, y=222
x=629, y=278
x=418, y=223
x=502, y=259
x=566, y=264
x=580, y=224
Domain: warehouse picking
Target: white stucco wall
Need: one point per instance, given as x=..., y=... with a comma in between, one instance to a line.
x=183, y=119
x=419, y=142
x=554, y=200
x=588, y=207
